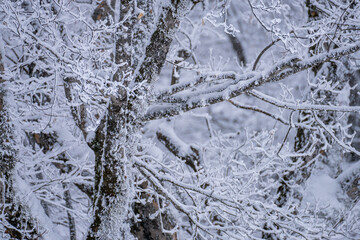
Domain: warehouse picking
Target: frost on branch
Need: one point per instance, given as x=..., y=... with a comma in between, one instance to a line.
x=179, y=119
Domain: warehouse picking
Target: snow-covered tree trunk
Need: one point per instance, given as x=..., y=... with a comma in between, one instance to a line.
x=111, y=198
x=15, y=218
x=118, y=127
x=354, y=120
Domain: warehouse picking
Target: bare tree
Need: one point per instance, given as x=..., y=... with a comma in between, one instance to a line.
x=92, y=119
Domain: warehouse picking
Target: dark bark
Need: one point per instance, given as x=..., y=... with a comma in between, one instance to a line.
x=88, y=189
x=68, y=204
x=65, y=169
x=124, y=42
x=149, y=228
x=16, y=224
x=78, y=113
x=109, y=154
x=351, y=183
x=103, y=11
x=109, y=166
x=235, y=41
x=238, y=48
x=354, y=120
x=161, y=40
x=182, y=55
x=192, y=154
x=116, y=127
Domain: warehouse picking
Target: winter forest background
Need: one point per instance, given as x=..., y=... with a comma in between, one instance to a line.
x=179, y=119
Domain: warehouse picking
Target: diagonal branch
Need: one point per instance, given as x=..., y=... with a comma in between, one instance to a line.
x=280, y=71
x=190, y=154
x=256, y=109
x=161, y=40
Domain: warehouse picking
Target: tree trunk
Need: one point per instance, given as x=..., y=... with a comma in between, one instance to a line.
x=112, y=193
x=13, y=219
x=354, y=120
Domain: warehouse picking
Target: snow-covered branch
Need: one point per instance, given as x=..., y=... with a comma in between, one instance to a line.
x=222, y=92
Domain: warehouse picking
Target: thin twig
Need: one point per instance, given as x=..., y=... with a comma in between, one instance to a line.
x=278, y=118
x=287, y=133
x=262, y=52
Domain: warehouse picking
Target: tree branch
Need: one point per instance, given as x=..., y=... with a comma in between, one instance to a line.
x=188, y=153
x=161, y=40
x=280, y=71
x=278, y=118
x=296, y=107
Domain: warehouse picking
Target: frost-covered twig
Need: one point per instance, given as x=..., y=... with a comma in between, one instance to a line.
x=298, y=107
x=330, y=132
x=256, y=109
